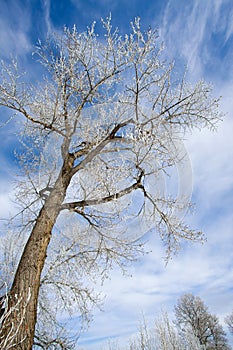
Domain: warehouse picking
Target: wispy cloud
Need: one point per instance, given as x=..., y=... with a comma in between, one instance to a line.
x=188, y=30
x=46, y=4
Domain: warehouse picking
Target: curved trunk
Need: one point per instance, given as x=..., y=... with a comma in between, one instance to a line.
x=18, y=328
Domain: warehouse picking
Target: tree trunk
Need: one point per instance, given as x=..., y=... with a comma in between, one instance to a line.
x=23, y=296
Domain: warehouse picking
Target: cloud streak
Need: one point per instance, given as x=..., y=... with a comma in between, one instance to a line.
x=189, y=29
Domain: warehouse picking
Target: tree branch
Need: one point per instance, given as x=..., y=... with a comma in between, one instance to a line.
x=90, y=202
x=99, y=147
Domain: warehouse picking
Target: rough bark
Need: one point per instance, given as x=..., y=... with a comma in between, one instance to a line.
x=26, y=284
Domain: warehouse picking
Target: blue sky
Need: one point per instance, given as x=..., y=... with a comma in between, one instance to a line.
x=198, y=33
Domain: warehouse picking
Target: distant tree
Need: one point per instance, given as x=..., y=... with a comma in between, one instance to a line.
x=229, y=322
x=143, y=340
x=162, y=336
x=89, y=172
x=192, y=315
x=167, y=336
x=41, y=341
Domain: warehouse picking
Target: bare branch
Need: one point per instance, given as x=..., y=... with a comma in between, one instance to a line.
x=115, y=196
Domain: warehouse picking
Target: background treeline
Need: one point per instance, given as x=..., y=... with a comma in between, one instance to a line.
x=194, y=328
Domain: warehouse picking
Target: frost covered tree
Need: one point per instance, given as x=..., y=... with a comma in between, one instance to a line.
x=192, y=315
x=96, y=133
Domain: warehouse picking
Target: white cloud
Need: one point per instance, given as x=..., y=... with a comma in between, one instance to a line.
x=211, y=154
x=7, y=195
